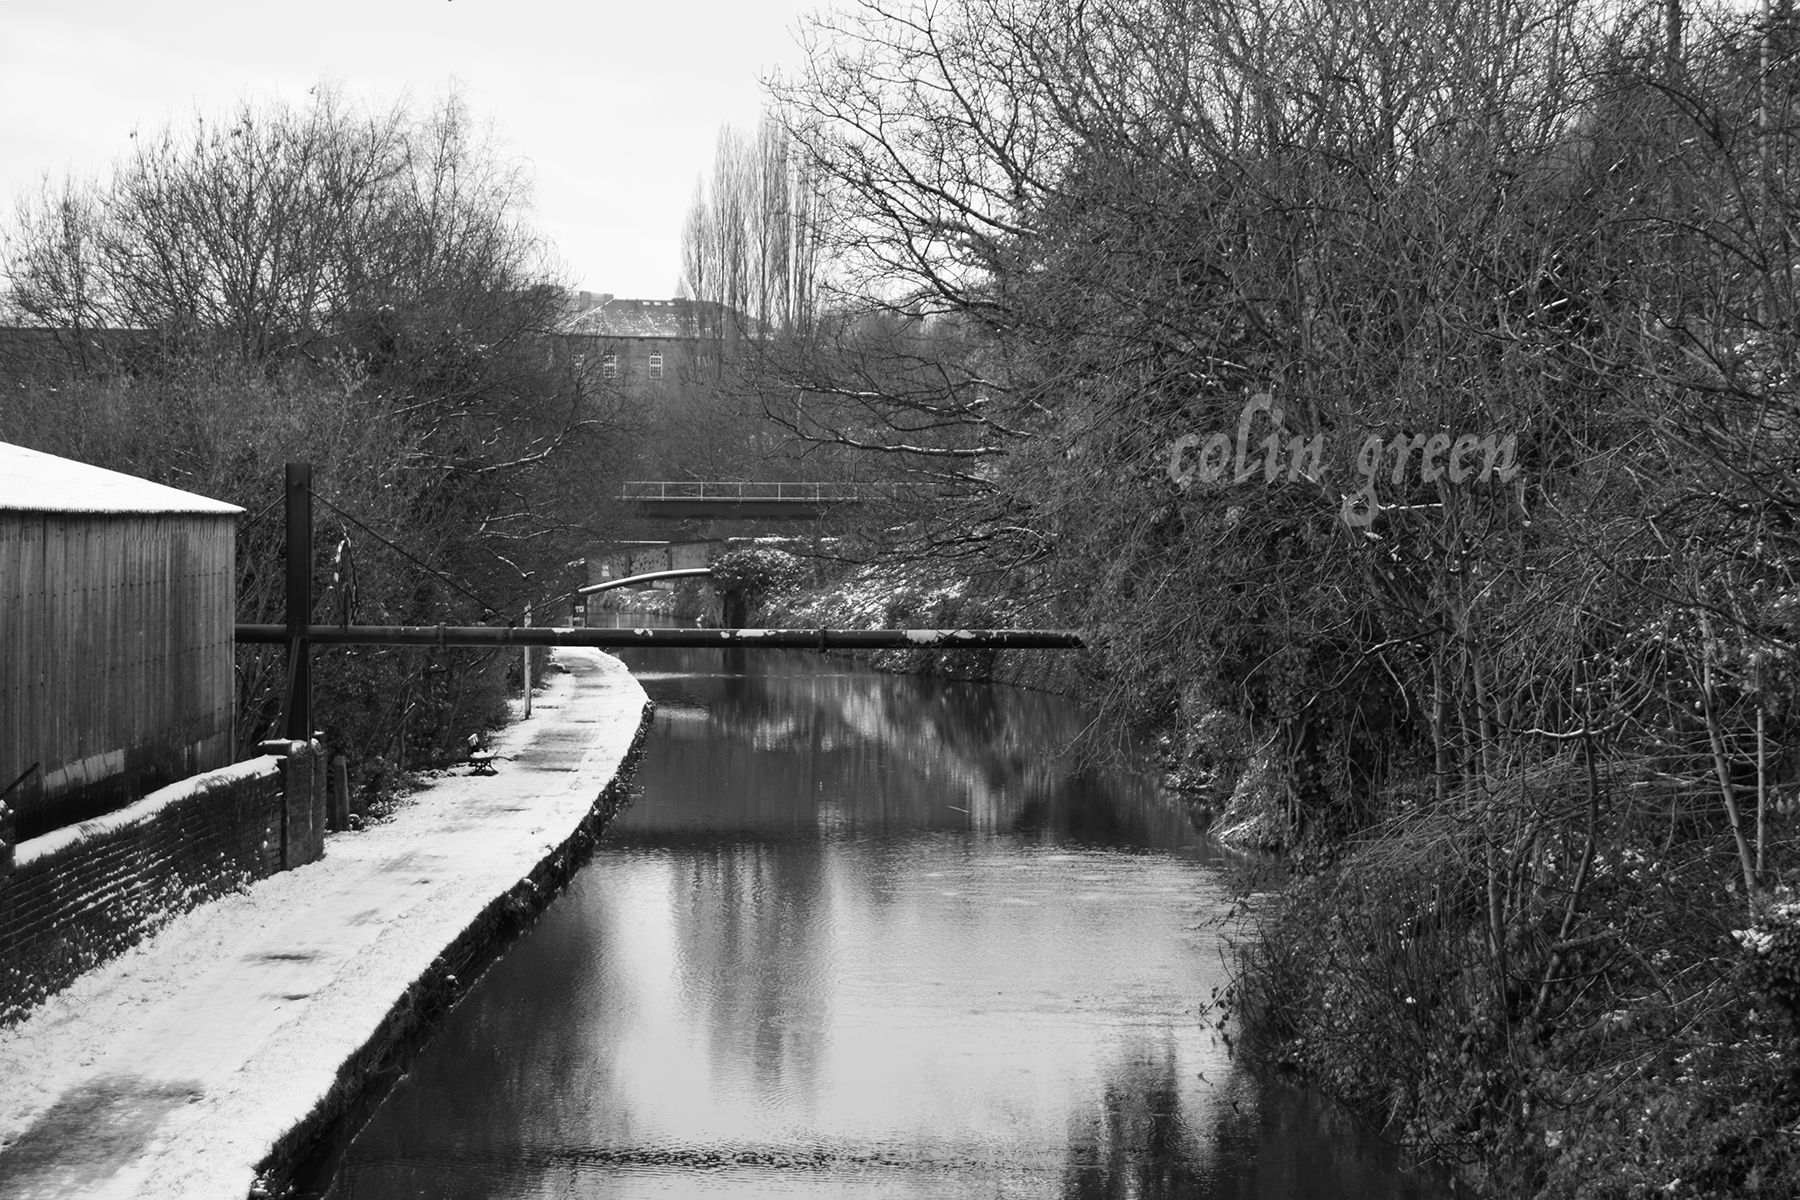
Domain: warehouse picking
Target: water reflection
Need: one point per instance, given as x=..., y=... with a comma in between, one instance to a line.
x=861, y=935
x=912, y=753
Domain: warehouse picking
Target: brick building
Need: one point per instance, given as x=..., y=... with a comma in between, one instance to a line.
x=647, y=348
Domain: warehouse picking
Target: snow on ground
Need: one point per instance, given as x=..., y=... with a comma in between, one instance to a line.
x=860, y=599
x=173, y=1070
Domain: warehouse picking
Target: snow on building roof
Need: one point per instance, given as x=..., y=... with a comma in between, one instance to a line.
x=613, y=317
x=32, y=481
x=638, y=318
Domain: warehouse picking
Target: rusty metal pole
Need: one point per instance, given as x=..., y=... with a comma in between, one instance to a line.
x=299, y=601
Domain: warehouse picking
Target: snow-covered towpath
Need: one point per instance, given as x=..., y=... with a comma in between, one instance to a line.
x=177, y=1069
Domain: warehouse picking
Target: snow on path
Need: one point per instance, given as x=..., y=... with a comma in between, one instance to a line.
x=173, y=1070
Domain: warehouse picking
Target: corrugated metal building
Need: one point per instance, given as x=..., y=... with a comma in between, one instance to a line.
x=117, y=602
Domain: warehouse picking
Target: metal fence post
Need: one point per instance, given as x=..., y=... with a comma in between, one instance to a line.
x=299, y=601
x=337, y=811
x=9, y=827
x=9, y=823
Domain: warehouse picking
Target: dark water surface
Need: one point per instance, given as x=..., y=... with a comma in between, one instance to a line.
x=861, y=935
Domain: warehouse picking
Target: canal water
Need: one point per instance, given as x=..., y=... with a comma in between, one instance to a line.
x=862, y=936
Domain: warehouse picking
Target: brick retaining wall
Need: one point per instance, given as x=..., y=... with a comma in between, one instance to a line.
x=74, y=898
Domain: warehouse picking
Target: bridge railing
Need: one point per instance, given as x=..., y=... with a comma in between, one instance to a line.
x=688, y=489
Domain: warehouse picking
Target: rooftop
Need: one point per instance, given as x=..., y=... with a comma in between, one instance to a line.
x=32, y=481
x=609, y=316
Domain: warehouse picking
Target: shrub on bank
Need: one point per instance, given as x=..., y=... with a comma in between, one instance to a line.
x=1647, y=1048
x=900, y=597
x=748, y=579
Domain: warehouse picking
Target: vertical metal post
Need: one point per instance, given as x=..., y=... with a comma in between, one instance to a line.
x=527, y=650
x=340, y=778
x=9, y=827
x=299, y=601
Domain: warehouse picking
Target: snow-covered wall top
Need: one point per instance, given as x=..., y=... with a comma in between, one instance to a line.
x=32, y=481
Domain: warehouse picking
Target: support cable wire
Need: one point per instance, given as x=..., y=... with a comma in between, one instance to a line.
x=29, y=771
x=268, y=508
x=554, y=602
x=489, y=609
x=542, y=605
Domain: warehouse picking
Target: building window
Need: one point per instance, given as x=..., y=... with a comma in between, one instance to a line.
x=609, y=367
x=656, y=366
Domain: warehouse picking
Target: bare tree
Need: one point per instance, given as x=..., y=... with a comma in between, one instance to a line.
x=323, y=259
x=750, y=249
x=1404, y=222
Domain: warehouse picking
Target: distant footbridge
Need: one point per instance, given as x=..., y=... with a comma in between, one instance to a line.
x=687, y=500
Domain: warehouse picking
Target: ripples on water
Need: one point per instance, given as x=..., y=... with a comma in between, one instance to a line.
x=860, y=936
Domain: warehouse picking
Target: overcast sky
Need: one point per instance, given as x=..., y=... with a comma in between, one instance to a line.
x=613, y=107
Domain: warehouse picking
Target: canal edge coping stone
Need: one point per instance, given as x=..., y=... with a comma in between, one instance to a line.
x=232, y=1039
x=310, y=1148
